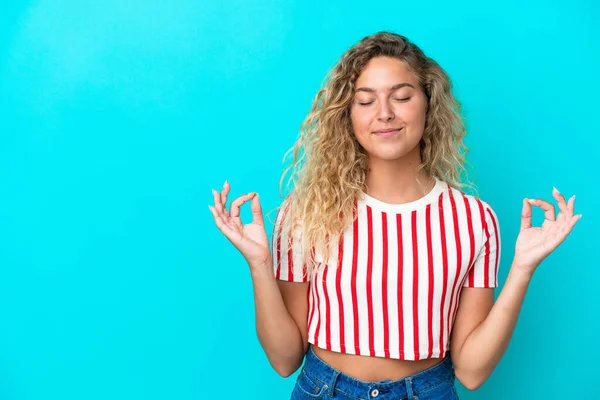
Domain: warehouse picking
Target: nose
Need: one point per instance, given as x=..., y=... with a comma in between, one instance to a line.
x=385, y=112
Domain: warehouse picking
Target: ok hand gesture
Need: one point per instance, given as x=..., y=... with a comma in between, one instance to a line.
x=250, y=239
x=536, y=243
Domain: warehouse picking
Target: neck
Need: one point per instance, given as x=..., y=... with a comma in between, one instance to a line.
x=397, y=181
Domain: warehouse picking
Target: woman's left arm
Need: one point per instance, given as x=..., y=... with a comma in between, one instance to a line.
x=482, y=329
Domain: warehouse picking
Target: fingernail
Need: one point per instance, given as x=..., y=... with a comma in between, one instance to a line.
x=210, y=208
x=252, y=194
x=214, y=191
x=555, y=189
x=530, y=200
x=225, y=183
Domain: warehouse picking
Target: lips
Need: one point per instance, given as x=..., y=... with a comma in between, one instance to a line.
x=387, y=132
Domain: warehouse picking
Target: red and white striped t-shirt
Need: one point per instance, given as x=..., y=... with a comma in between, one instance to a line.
x=393, y=281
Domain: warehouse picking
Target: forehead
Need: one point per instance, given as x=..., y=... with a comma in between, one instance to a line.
x=382, y=72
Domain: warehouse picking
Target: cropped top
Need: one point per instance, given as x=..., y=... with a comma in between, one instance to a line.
x=392, y=284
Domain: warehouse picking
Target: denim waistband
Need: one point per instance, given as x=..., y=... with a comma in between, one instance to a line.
x=406, y=387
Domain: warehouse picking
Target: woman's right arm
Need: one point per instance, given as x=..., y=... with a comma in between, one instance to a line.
x=281, y=318
x=281, y=307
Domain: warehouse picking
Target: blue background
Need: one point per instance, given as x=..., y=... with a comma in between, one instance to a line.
x=118, y=117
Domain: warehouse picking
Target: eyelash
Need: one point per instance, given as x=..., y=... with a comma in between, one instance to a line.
x=366, y=104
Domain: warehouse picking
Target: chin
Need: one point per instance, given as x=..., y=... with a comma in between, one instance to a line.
x=388, y=156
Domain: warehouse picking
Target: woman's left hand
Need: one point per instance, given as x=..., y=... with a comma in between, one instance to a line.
x=534, y=244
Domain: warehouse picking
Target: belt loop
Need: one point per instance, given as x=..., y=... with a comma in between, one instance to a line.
x=333, y=383
x=409, y=388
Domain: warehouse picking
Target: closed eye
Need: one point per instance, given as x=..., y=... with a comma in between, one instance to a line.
x=370, y=102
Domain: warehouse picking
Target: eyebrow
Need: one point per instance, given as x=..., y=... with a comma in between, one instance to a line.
x=395, y=87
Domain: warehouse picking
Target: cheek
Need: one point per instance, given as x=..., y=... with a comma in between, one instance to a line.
x=413, y=112
x=361, y=121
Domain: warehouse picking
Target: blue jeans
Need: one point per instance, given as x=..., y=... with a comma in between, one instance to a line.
x=319, y=380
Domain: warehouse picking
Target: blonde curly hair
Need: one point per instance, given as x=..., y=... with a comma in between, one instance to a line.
x=329, y=166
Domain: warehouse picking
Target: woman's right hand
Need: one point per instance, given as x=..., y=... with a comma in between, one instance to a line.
x=250, y=239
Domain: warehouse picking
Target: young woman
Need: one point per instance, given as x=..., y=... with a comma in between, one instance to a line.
x=381, y=272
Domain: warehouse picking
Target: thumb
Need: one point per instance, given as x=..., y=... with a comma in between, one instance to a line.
x=257, y=215
x=526, y=215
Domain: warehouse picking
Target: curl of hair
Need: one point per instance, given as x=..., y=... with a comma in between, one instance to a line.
x=329, y=166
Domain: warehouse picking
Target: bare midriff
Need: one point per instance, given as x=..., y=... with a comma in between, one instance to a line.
x=367, y=368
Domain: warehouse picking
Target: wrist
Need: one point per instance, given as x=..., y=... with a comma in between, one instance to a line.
x=261, y=269
x=521, y=273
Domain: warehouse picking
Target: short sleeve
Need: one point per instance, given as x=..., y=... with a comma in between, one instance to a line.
x=484, y=272
x=288, y=263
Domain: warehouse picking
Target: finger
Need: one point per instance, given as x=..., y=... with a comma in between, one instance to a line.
x=574, y=220
x=237, y=203
x=526, y=215
x=549, y=212
x=222, y=217
x=217, y=199
x=257, y=215
x=568, y=227
x=223, y=227
x=562, y=204
x=224, y=193
x=222, y=212
x=571, y=205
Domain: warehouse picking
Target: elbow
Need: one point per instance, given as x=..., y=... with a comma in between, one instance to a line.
x=469, y=381
x=471, y=385
x=287, y=366
x=286, y=371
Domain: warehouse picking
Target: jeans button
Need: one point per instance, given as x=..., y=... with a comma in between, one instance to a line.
x=374, y=393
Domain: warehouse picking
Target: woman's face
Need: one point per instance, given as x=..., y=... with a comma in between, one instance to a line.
x=389, y=108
